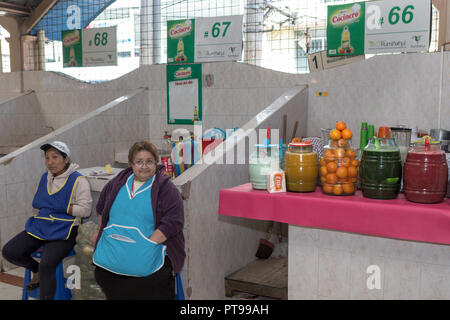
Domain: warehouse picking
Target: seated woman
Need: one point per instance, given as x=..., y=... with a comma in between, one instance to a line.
x=140, y=241
x=62, y=198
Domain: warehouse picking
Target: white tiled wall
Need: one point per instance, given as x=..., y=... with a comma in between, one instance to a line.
x=325, y=264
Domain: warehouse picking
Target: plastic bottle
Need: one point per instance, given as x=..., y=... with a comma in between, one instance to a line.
x=363, y=140
x=166, y=155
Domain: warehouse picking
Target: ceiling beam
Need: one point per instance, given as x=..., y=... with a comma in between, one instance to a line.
x=36, y=15
x=14, y=8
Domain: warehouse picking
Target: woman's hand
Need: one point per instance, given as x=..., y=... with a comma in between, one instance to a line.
x=158, y=236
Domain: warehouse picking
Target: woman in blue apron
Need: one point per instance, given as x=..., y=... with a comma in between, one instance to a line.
x=62, y=198
x=140, y=243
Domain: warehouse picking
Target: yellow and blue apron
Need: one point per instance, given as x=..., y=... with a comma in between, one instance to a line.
x=53, y=221
x=124, y=246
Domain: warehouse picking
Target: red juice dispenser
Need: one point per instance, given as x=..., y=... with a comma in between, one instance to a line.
x=425, y=172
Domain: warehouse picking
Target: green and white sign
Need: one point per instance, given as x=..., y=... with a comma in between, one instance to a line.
x=89, y=47
x=345, y=29
x=180, y=41
x=204, y=39
x=397, y=26
x=184, y=93
x=218, y=39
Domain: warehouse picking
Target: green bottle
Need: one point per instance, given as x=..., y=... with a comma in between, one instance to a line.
x=363, y=138
x=370, y=132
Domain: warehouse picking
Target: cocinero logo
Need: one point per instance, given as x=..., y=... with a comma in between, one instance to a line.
x=180, y=29
x=71, y=38
x=344, y=17
x=183, y=73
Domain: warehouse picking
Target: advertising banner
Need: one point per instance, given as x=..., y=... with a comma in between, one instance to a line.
x=89, y=47
x=184, y=93
x=204, y=39
x=345, y=29
x=397, y=26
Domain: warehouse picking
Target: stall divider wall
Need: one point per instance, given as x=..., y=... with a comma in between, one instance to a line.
x=219, y=245
x=92, y=138
x=21, y=121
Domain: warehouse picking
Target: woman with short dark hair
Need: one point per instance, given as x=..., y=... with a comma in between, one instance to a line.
x=140, y=241
x=62, y=198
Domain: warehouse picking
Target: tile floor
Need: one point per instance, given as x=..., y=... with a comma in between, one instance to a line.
x=11, y=284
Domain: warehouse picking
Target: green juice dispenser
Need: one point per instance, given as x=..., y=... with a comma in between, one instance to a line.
x=381, y=169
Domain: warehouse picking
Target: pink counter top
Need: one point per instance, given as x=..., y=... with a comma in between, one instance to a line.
x=397, y=218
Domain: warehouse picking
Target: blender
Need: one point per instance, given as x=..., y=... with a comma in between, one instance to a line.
x=402, y=137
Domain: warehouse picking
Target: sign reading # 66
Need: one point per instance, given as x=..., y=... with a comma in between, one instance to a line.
x=397, y=25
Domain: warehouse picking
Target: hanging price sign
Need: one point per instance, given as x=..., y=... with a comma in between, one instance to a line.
x=204, y=39
x=218, y=39
x=89, y=47
x=397, y=26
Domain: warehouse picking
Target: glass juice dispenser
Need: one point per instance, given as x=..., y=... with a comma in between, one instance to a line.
x=402, y=137
x=301, y=167
x=425, y=172
x=265, y=157
x=381, y=169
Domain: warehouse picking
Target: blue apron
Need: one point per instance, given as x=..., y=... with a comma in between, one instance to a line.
x=124, y=246
x=53, y=221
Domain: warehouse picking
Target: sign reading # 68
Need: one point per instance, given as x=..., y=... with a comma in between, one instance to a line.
x=397, y=26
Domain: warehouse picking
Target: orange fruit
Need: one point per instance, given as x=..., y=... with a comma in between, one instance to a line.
x=347, y=134
x=331, y=167
x=323, y=179
x=342, y=172
x=355, y=162
x=352, y=172
x=331, y=178
x=335, y=134
x=337, y=189
x=350, y=153
x=340, y=152
x=343, y=180
x=296, y=139
x=335, y=143
x=328, y=152
x=346, y=162
x=327, y=188
x=353, y=180
x=341, y=125
x=348, y=188
x=323, y=170
x=342, y=143
x=323, y=162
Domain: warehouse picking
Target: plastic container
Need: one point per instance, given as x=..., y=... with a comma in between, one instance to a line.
x=425, y=172
x=402, y=137
x=339, y=168
x=381, y=169
x=265, y=157
x=301, y=167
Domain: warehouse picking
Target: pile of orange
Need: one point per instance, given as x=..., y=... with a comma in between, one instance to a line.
x=339, y=166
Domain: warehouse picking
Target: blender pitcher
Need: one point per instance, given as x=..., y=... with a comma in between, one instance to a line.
x=402, y=137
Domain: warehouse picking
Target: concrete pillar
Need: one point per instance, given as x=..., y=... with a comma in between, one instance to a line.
x=11, y=24
x=444, y=23
x=253, y=27
x=41, y=49
x=150, y=51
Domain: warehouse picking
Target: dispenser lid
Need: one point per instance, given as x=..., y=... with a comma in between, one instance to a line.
x=307, y=143
x=424, y=141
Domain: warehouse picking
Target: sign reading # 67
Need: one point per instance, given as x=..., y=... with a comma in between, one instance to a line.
x=397, y=25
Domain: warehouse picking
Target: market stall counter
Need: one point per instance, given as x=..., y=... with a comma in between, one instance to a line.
x=334, y=239
x=396, y=218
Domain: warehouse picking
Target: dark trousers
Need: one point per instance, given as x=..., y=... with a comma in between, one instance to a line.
x=157, y=286
x=18, y=251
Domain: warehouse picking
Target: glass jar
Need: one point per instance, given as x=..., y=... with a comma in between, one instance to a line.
x=301, y=167
x=339, y=168
x=425, y=172
x=381, y=169
x=265, y=157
